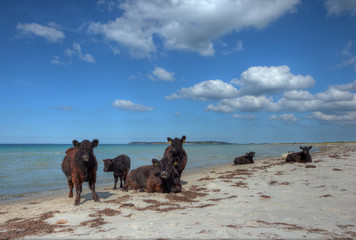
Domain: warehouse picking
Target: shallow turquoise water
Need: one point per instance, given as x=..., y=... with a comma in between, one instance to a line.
x=36, y=169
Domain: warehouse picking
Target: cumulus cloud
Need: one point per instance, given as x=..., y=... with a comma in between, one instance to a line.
x=162, y=75
x=76, y=50
x=269, y=80
x=50, y=33
x=337, y=7
x=130, y=106
x=207, y=90
x=284, y=118
x=348, y=118
x=185, y=25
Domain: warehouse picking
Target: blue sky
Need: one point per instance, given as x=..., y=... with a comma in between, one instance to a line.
x=121, y=71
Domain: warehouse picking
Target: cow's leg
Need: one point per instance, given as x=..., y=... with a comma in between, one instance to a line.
x=92, y=188
x=78, y=189
x=121, y=180
x=70, y=186
x=115, y=182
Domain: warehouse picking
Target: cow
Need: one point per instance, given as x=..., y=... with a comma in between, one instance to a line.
x=161, y=177
x=246, y=159
x=120, y=166
x=80, y=165
x=176, y=150
x=302, y=156
x=284, y=155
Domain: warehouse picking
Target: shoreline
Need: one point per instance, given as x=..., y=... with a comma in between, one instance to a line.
x=268, y=199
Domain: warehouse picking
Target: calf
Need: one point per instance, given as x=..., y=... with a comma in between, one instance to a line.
x=176, y=150
x=246, y=159
x=160, y=177
x=80, y=165
x=120, y=166
x=302, y=156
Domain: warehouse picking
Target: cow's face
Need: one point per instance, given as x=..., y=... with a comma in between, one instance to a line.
x=251, y=154
x=177, y=144
x=85, y=148
x=305, y=150
x=165, y=166
x=108, y=165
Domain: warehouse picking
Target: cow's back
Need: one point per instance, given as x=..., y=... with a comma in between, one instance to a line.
x=137, y=178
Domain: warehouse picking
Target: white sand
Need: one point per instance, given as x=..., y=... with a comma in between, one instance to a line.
x=268, y=199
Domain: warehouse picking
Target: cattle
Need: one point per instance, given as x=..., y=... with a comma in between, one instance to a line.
x=120, y=166
x=302, y=156
x=160, y=177
x=176, y=150
x=284, y=155
x=80, y=165
x=246, y=159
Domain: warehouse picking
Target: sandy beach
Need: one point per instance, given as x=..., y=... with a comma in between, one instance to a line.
x=268, y=199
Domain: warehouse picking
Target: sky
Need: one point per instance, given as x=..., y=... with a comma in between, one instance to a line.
x=259, y=71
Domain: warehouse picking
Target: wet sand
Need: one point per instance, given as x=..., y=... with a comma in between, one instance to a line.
x=268, y=199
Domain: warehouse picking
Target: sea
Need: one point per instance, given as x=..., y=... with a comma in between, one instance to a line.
x=35, y=169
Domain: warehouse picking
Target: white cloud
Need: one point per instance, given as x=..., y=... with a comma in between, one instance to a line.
x=76, y=50
x=244, y=104
x=56, y=60
x=244, y=117
x=130, y=106
x=348, y=57
x=185, y=25
x=268, y=80
x=337, y=7
x=207, y=90
x=162, y=75
x=49, y=33
x=348, y=118
x=284, y=118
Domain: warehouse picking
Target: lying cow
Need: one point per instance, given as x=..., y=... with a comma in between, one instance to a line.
x=246, y=159
x=80, y=165
x=160, y=177
x=120, y=166
x=302, y=156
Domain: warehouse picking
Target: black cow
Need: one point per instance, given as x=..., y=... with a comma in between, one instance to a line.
x=302, y=156
x=246, y=159
x=120, y=166
x=160, y=177
x=176, y=150
x=80, y=165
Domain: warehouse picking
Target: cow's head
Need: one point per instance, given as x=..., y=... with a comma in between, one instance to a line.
x=165, y=166
x=85, y=148
x=305, y=149
x=177, y=145
x=108, y=165
x=250, y=154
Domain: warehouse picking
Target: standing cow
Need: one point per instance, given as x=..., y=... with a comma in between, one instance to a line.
x=120, y=166
x=80, y=165
x=176, y=150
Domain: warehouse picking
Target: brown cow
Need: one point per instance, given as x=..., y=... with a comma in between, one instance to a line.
x=120, y=166
x=160, y=177
x=80, y=165
x=176, y=150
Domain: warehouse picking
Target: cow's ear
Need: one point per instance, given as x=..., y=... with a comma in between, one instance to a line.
x=94, y=143
x=169, y=139
x=183, y=139
x=76, y=143
x=310, y=147
x=155, y=162
x=109, y=161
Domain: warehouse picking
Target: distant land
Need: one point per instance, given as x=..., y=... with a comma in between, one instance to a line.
x=188, y=142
